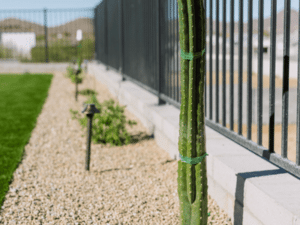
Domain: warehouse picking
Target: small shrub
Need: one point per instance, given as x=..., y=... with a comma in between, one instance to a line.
x=79, y=78
x=87, y=92
x=40, y=37
x=108, y=125
x=5, y=52
x=23, y=59
x=70, y=71
x=71, y=74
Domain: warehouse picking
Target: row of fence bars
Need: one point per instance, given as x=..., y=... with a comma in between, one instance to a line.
x=153, y=56
x=256, y=147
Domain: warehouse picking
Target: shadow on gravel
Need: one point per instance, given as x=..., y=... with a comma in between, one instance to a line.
x=115, y=169
x=168, y=161
x=103, y=171
x=135, y=139
x=140, y=137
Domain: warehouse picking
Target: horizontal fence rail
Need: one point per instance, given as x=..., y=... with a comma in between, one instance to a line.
x=24, y=39
x=141, y=40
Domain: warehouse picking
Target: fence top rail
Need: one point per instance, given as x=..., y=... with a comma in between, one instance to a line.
x=40, y=10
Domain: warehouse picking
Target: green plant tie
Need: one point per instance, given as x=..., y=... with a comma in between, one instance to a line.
x=192, y=161
x=191, y=55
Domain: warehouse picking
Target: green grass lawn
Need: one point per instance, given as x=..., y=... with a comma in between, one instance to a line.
x=21, y=100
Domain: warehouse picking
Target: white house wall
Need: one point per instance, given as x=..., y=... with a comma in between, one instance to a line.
x=22, y=43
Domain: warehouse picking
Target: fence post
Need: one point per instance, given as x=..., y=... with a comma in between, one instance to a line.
x=46, y=36
x=160, y=101
x=95, y=32
x=121, y=31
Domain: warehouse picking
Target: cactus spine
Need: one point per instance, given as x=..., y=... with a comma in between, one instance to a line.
x=192, y=178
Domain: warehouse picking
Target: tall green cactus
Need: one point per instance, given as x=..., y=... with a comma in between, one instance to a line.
x=192, y=178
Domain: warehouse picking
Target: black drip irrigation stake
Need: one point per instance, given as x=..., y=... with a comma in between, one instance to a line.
x=76, y=82
x=89, y=110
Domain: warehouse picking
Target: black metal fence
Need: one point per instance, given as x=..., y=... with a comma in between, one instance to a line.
x=27, y=40
x=140, y=39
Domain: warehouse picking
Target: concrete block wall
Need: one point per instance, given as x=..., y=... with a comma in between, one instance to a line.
x=250, y=189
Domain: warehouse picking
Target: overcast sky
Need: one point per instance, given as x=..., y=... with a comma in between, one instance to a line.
x=85, y=4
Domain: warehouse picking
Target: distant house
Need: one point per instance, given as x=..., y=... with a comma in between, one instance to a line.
x=21, y=42
x=279, y=44
x=293, y=44
x=266, y=44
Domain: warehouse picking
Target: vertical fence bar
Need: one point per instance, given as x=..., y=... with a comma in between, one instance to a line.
x=46, y=36
x=95, y=32
x=170, y=51
x=210, y=60
x=205, y=70
x=150, y=47
x=160, y=101
x=217, y=61
x=231, y=62
x=249, y=65
x=158, y=51
x=285, y=89
x=173, y=47
x=167, y=56
x=240, y=80
x=163, y=33
x=224, y=63
x=106, y=31
x=177, y=51
x=121, y=32
x=123, y=39
x=56, y=30
x=152, y=65
x=272, y=76
x=144, y=32
x=97, y=25
x=260, y=71
x=298, y=100
x=120, y=36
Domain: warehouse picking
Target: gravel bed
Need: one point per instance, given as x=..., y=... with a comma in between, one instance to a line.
x=133, y=184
